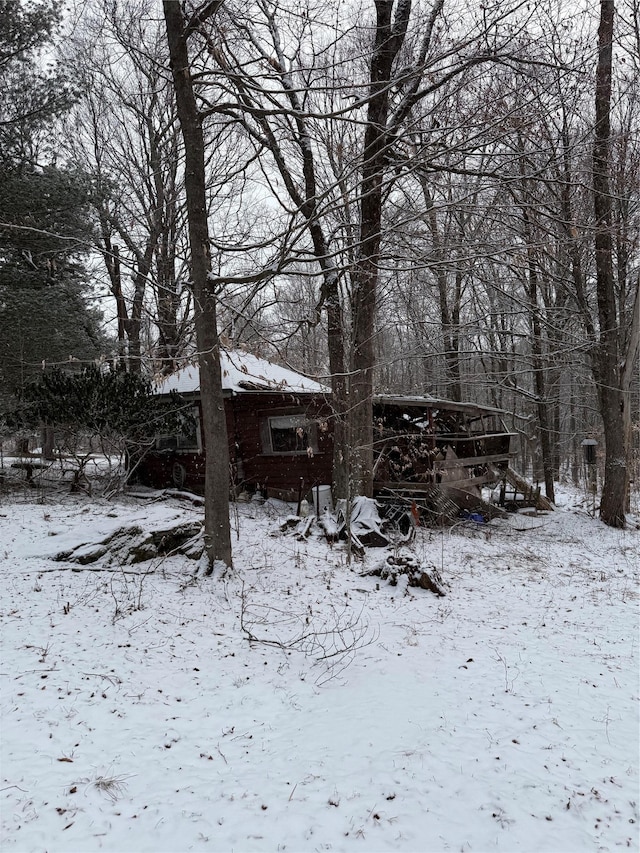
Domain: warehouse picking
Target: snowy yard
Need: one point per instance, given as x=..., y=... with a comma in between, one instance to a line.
x=137, y=716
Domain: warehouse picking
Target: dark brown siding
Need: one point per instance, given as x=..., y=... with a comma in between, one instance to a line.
x=250, y=465
x=281, y=471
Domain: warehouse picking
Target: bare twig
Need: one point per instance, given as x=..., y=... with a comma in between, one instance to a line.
x=331, y=639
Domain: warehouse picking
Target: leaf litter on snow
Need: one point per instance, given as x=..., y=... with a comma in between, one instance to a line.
x=299, y=704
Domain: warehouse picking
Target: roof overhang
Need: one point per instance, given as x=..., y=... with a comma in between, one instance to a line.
x=428, y=402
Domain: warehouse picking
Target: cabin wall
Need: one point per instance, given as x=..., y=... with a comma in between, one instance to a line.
x=282, y=471
x=251, y=466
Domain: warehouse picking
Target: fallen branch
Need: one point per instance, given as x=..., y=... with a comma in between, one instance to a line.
x=332, y=639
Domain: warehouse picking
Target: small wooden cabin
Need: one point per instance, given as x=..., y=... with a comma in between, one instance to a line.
x=278, y=428
x=280, y=436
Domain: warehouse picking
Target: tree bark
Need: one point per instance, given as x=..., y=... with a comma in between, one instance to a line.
x=217, y=534
x=537, y=359
x=339, y=388
x=129, y=323
x=111, y=255
x=449, y=313
x=388, y=41
x=607, y=361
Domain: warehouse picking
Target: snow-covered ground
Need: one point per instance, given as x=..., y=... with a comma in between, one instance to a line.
x=137, y=715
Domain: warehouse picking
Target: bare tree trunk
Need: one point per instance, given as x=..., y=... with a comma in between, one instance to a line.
x=629, y=370
x=48, y=442
x=111, y=255
x=537, y=357
x=335, y=339
x=449, y=313
x=388, y=41
x=167, y=295
x=607, y=355
x=217, y=535
x=129, y=322
x=134, y=323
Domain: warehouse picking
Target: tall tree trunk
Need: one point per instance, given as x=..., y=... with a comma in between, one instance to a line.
x=335, y=338
x=449, y=313
x=607, y=355
x=48, y=441
x=129, y=322
x=217, y=530
x=629, y=370
x=537, y=357
x=134, y=324
x=389, y=36
x=111, y=255
x=167, y=295
x=538, y=361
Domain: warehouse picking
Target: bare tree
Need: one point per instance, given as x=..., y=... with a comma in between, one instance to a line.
x=125, y=133
x=612, y=365
x=422, y=177
x=294, y=82
x=217, y=535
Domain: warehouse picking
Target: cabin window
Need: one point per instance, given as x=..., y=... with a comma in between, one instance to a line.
x=187, y=437
x=289, y=434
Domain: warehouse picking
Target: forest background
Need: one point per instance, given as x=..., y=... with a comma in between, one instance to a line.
x=429, y=197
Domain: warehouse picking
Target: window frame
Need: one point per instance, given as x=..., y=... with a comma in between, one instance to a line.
x=296, y=420
x=171, y=441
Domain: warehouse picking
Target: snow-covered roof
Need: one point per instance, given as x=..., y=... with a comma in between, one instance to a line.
x=242, y=372
x=427, y=401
